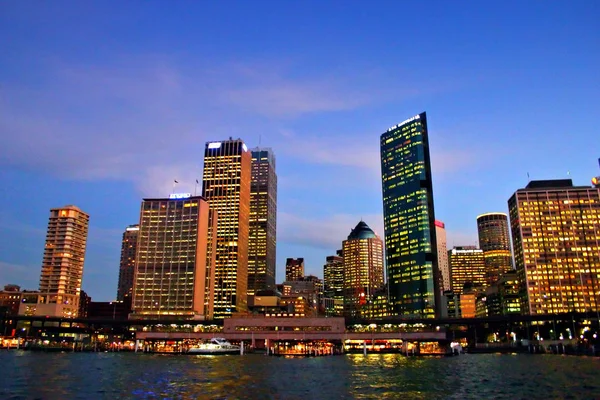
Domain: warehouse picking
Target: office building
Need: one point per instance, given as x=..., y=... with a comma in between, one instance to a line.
x=333, y=276
x=226, y=186
x=409, y=220
x=467, y=267
x=442, y=256
x=263, y=221
x=556, y=239
x=502, y=298
x=363, y=269
x=294, y=269
x=495, y=243
x=127, y=265
x=62, y=266
x=174, y=274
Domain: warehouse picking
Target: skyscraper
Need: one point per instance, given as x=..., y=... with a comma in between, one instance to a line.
x=174, y=278
x=363, y=269
x=495, y=243
x=333, y=276
x=442, y=255
x=409, y=220
x=294, y=269
x=467, y=266
x=62, y=266
x=127, y=265
x=226, y=187
x=556, y=236
x=263, y=221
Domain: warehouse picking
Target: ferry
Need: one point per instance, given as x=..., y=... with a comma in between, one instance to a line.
x=215, y=346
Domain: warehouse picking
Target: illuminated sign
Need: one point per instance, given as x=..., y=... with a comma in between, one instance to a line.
x=132, y=228
x=214, y=145
x=244, y=147
x=404, y=122
x=180, y=195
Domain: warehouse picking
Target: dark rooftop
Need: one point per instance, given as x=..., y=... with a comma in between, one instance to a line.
x=550, y=183
x=362, y=231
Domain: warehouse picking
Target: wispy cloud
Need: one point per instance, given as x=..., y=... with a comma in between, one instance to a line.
x=322, y=233
x=25, y=276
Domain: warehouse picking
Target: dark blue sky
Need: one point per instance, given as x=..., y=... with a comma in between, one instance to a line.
x=102, y=103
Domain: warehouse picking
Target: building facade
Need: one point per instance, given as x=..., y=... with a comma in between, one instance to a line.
x=494, y=240
x=363, y=269
x=409, y=220
x=294, y=269
x=556, y=238
x=226, y=186
x=442, y=256
x=62, y=266
x=127, y=265
x=263, y=221
x=333, y=276
x=174, y=274
x=467, y=266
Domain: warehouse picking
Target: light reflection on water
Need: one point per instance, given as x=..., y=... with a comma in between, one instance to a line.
x=28, y=375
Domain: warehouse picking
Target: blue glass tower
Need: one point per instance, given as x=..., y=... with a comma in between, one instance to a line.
x=409, y=220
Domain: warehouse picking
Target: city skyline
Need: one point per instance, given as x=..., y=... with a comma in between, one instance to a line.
x=493, y=120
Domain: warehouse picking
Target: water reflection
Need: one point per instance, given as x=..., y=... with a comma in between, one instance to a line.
x=383, y=376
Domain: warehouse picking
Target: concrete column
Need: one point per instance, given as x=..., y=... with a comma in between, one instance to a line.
x=242, y=348
x=364, y=347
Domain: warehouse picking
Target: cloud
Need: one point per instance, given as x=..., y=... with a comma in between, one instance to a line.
x=19, y=274
x=322, y=233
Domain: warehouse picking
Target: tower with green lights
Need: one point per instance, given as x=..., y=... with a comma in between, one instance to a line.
x=409, y=220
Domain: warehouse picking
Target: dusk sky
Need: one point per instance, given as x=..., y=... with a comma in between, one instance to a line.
x=103, y=103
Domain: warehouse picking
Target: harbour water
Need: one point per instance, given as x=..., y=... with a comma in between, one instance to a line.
x=35, y=375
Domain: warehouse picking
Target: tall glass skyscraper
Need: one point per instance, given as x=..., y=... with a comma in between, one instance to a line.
x=409, y=220
x=263, y=221
x=226, y=186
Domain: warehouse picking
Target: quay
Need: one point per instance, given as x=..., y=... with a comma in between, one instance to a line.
x=314, y=336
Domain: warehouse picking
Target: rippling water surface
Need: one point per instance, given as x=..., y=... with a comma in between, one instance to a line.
x=30, y=375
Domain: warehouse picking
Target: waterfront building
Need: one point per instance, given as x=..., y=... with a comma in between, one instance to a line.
x=115, y=310
x=309, y=288
x=174, y=274
x=494, y=241
x=333, y=276
x=467, y=266
x=363, y=269
x=468, y=302
x=556, y=238
x=127, y=265
x=332, y=307
x=379, y=306
x=263, y=221
x=84, y=304
x=451, y=305
x=442, y=256
x=226, y=186
x=62, y=265
x=502, y=298
x=294, y=269
x=409, y=220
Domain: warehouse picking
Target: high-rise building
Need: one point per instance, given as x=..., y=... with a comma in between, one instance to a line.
x=294, y=269
x=333, y=276
x=127, y=265
x=226, y=186
x=409, y=220
x=495, y=243
x=263, y=221
x=174, y=274
x=442, y=255
x=363, y=269
x=556, y=239
x=467, y=267
x=62, y=266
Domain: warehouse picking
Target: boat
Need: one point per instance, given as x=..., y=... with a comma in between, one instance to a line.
x=215, y=346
